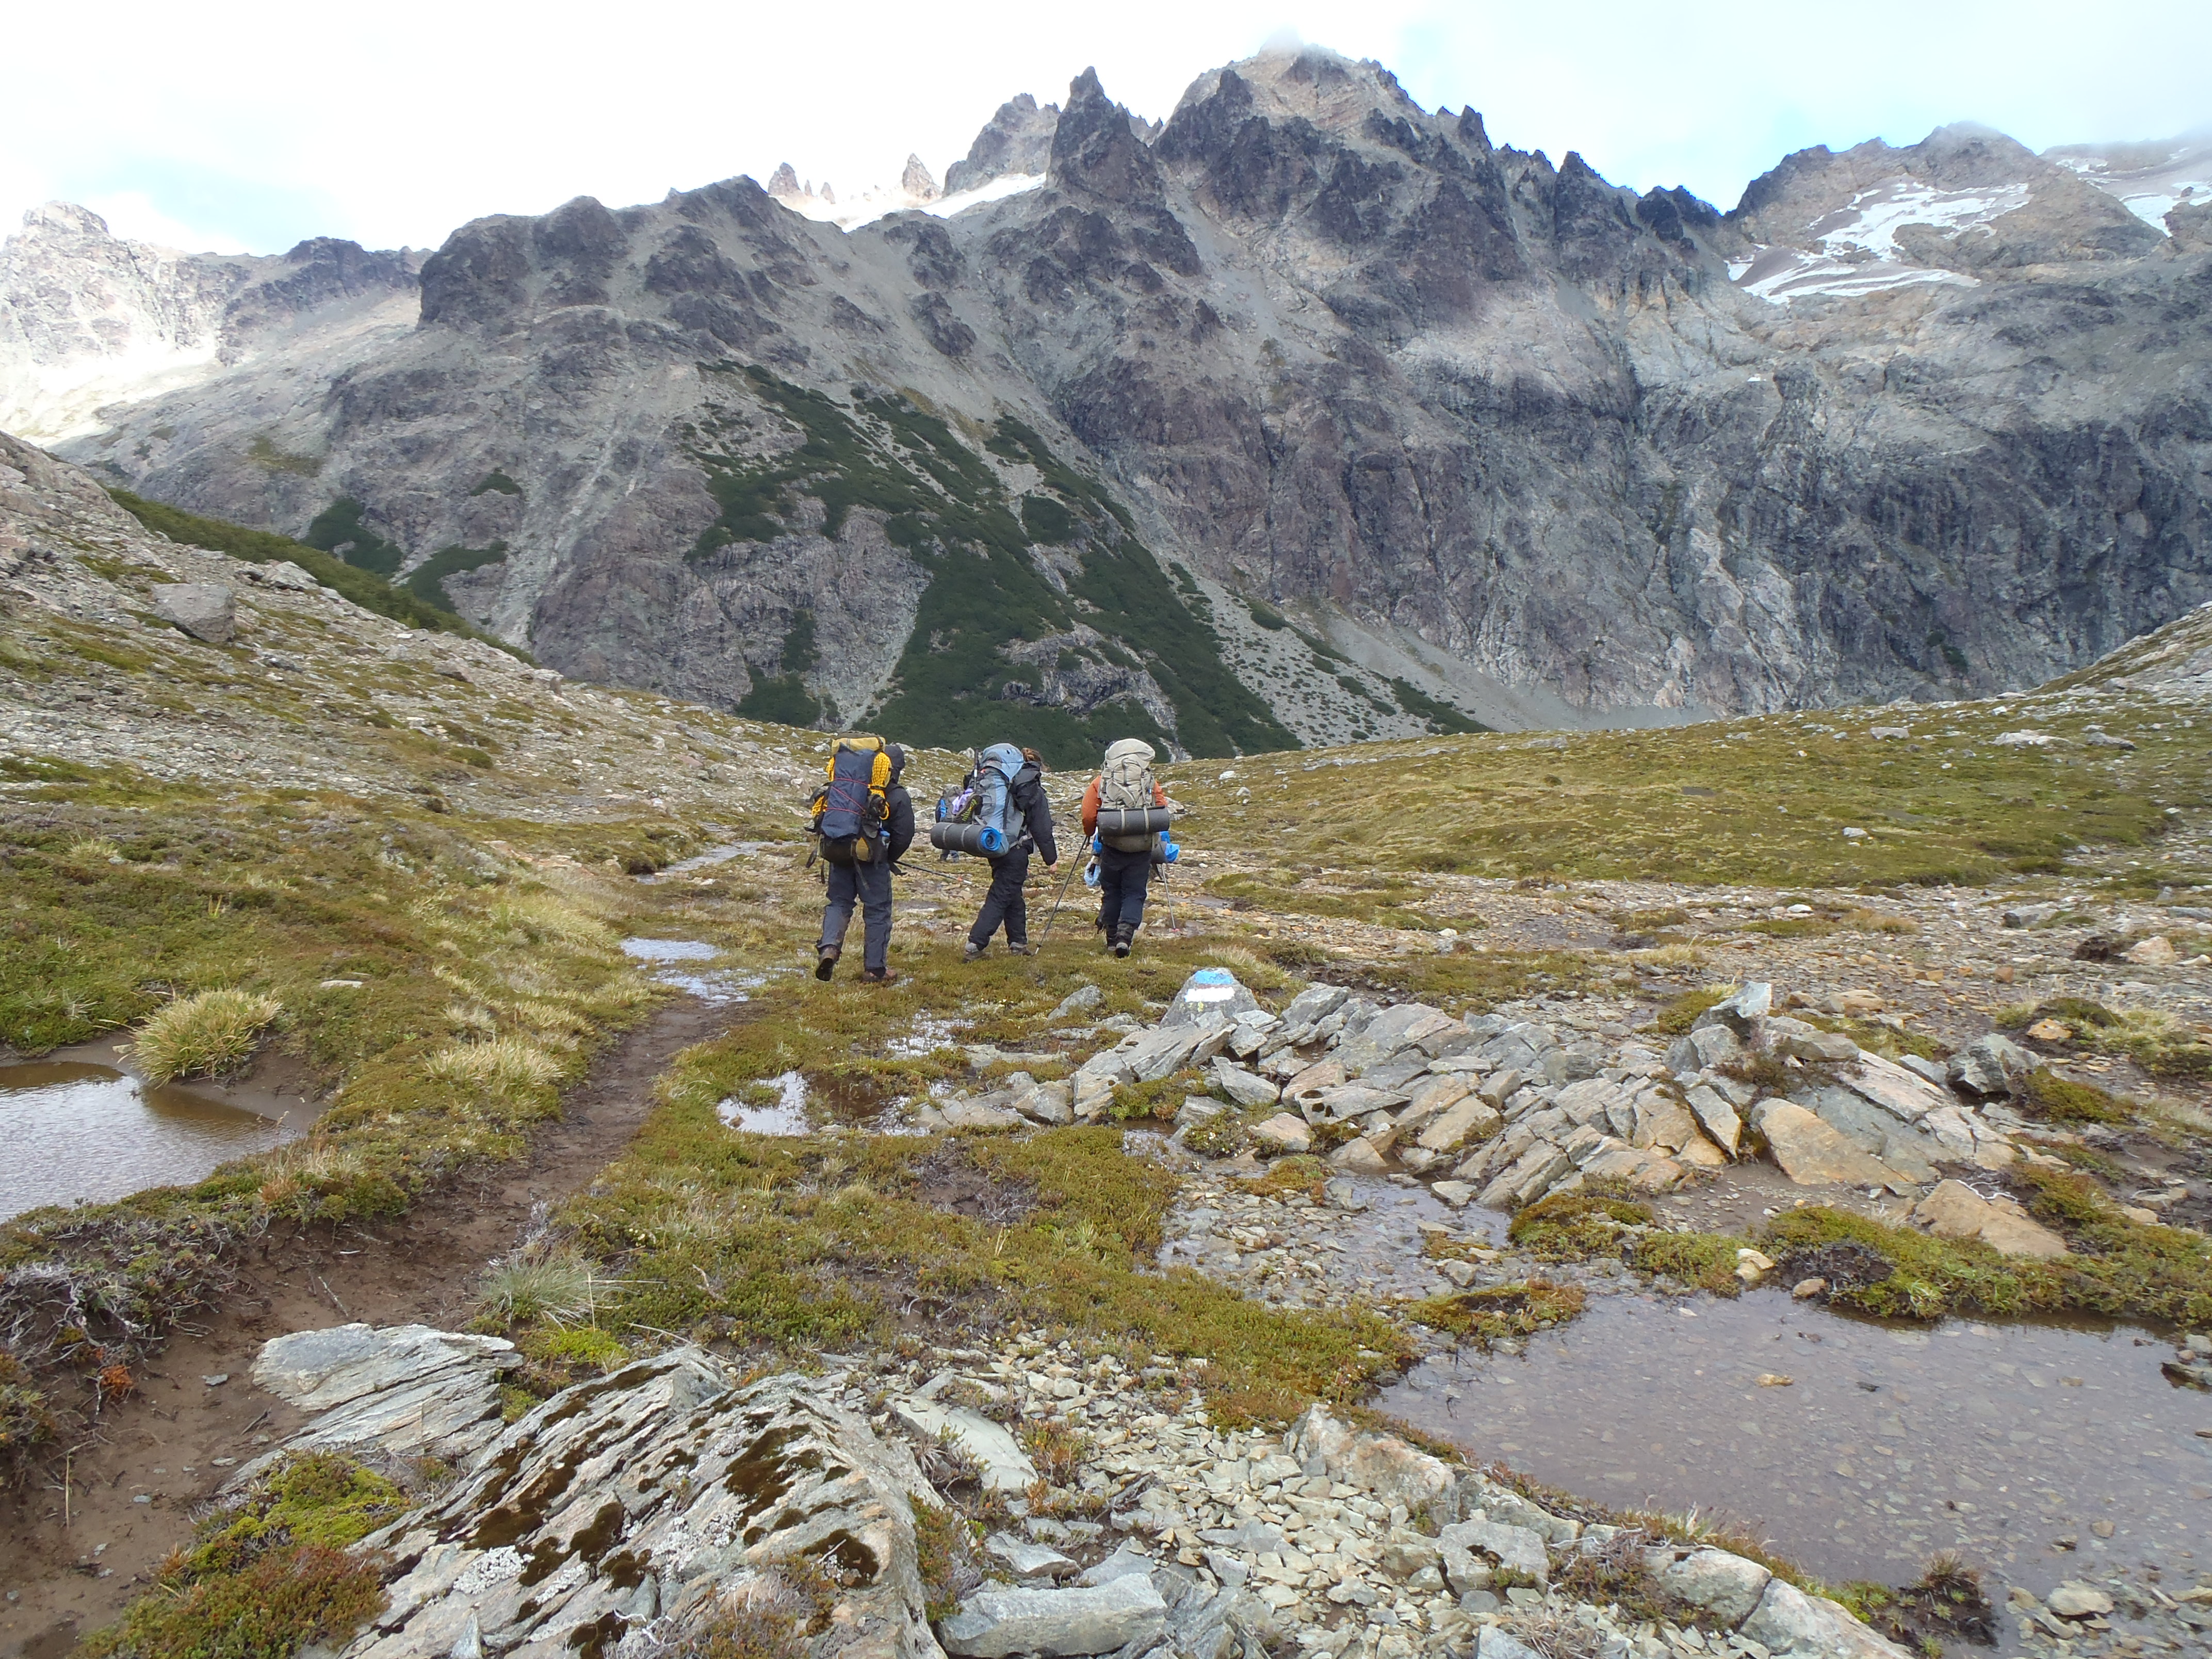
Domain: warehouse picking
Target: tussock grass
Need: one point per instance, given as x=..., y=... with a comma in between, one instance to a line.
x=207, y=1034
x=558, y=1286
x=501, y=1064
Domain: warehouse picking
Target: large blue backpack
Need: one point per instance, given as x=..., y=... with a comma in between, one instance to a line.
x=995, y=807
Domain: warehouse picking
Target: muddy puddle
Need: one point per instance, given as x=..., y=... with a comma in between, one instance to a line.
x=78, y=1127
x=2040, y=1452
x=708, y=859
x=786, y=1115
x=672, y=962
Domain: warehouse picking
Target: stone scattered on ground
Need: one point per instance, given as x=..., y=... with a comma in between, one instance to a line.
x=1172, y=1540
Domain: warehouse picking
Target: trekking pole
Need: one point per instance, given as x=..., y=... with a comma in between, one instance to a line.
x=1065, y=882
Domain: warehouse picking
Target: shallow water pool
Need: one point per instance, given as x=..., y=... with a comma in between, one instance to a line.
x=75, y=1128
x=2019, y=1445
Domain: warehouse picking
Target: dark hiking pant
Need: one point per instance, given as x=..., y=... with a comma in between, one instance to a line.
x=1003, y=902
x=1122, y=880
x=871, y=884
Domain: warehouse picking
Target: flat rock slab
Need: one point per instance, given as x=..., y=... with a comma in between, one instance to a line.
x=1381, y=1464
x=643, y=1495
x=1792, y=1625
x=1814, y=1153
x=406, y=1390
x=992, y=1624
x=1955, y=1210
x=1006, y=1466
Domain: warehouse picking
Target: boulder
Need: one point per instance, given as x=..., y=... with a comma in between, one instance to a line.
x=1716, y=1116
x=1283, y=1133
x=1827, y=1047
x=1662, y=1121
x=1501, y=1086
x=644, y=1497
x=1313, y=1005
x=1955, y=1210
x=1027, y=1560
x=1990, y=1067
x=1081, y=1000
x=980, y=1115
x=1005, y=1466
x=1350, y=1100
x=1814, y=1153
x=1707, y=1047
x=1379, y=1464
x=1392, y=1031
x=1210, y=993
x=1473, y=1550
x=1741, y=1013
x=1430, y=1097
x=1727, y=1586
x=991, y=1623
x=1047, y=1102
x=1359, y=1157
x=1312, y=1079
x=1900, y=1093
x=1245, y=1088
x=1791, y=1625
x=2156, y=951
x=1472, y=1118
x=2076, y=1600
x=206, y=611
x=280, y=574
x=404, y=1390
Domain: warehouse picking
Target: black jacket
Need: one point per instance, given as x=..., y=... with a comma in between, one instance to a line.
x=1036, y=811
x=899, y=818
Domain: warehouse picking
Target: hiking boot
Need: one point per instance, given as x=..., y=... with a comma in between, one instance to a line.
x=879, y=976
x=828, y=964
x=970, y=950
x=1123, y=938
x=1024, y=948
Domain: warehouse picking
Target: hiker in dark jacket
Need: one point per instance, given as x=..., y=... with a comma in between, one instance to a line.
x=1005, y=902
x=871, y=884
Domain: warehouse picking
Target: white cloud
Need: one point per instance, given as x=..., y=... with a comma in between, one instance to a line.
x=132, y=213
x=256, y=123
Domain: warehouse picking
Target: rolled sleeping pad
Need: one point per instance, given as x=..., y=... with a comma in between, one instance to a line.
x=981, y=838
x=1148, y=821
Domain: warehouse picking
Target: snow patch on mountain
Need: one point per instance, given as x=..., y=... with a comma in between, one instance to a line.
x=1854, y=250
x=2150, y=180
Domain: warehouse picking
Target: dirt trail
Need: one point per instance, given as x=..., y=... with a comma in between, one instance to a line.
x=159, y=1447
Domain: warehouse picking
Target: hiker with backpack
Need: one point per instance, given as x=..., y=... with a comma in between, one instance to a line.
x=1125, y=811
x=863, y=819
x=1000, y=813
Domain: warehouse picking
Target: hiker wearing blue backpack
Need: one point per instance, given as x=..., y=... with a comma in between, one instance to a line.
x=1002, y=815
x=863, y=819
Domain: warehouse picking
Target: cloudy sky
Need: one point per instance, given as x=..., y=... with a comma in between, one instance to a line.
x=243, y=125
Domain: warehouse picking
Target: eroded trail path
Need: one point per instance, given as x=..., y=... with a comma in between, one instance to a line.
x=75, y=1559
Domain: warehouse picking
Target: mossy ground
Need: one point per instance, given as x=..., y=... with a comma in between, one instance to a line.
x=265, y=1576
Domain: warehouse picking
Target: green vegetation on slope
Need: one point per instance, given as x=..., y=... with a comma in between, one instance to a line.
x=955, y=684
x=365, y=588
x=340, y=529
x=427, y=580
x=1759, y=799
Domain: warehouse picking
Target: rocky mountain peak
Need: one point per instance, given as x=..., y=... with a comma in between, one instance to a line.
x=917, y=181
x=1016, y=139
x=1096, y=150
